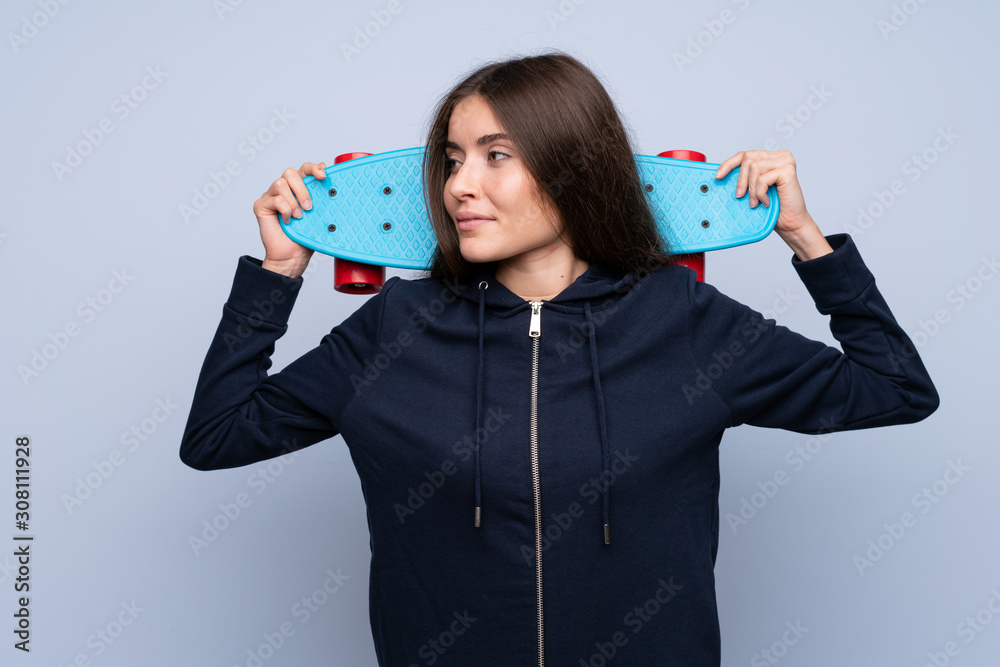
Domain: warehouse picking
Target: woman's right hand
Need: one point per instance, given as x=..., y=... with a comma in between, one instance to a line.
x=286, y=198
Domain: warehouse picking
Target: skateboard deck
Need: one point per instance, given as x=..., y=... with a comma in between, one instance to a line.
x=371, y=209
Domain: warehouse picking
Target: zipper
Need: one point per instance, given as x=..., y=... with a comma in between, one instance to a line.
x=535, y=332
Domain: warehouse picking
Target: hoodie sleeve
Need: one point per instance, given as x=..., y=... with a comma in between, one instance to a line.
x=768, y=375
x=240, y=414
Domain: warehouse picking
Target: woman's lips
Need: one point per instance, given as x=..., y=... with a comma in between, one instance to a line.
x=467, y=225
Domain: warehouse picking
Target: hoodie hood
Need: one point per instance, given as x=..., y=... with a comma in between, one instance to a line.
x=597, y=283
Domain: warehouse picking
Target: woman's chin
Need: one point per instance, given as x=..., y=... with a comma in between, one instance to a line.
x=478, y=253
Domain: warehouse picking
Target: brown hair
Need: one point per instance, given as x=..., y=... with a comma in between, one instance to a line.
x=573, y=142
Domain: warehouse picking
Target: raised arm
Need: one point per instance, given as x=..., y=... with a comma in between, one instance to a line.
x=240, y=414
x=778, y=378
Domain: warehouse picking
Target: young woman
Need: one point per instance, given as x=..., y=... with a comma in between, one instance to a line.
x=536, y=424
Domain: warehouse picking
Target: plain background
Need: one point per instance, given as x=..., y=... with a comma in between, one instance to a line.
x=886, y=83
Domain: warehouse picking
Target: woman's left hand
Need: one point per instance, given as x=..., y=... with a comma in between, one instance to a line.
x=761, y=169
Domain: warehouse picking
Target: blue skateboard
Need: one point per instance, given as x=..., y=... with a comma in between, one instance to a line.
x=370, y=210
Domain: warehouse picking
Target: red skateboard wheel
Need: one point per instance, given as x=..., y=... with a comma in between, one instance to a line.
x=352, y=277
x=696, y=260
x=344, y=157
x=694, y=156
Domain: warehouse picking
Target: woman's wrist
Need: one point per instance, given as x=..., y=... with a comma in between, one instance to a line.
x=807, y=242
x=291, y=268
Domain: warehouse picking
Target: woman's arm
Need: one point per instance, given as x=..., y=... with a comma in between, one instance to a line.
x=778, y=378
x=239, y=413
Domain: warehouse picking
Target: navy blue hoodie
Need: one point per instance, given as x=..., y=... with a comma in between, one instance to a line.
x=601, y=547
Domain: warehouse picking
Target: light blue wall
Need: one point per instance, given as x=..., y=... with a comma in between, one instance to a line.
x=110, y=229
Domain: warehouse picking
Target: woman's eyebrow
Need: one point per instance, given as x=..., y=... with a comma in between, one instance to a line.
x=481, y=141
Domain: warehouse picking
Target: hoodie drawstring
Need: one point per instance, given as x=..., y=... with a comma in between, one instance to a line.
x=479, y=394
x=605, y=454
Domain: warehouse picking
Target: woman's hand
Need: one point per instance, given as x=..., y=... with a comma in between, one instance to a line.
x=286, y=197
x=761, y=169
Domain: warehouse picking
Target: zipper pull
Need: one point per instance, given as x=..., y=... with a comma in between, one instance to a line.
x=535, y=327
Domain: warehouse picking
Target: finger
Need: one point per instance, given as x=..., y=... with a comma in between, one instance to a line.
x=756, y=167
x=744, y=180
x=753, y=174
x=762, y=193
x=297, y=188
x=771, y=172
x=315, y=170
x=728, y=164
x=766, y=180
x=285, y=210
x=285, y=201
x=272, y=206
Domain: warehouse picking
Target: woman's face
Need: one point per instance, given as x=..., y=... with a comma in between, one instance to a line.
x=488, y=179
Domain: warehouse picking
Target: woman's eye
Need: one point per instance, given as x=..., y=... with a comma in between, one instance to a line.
x=449, y=163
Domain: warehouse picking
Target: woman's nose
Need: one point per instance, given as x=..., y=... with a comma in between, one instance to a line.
x=464, y=182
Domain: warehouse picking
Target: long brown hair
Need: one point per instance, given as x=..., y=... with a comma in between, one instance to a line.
x=573, y=142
